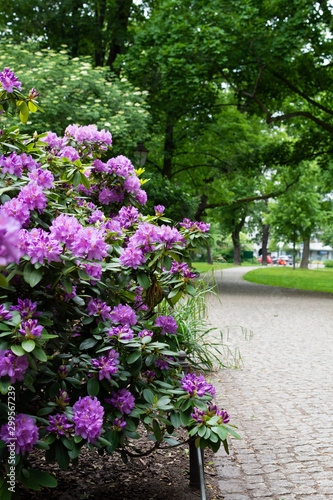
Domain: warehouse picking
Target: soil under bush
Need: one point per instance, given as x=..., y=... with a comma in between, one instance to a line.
x=163, y=475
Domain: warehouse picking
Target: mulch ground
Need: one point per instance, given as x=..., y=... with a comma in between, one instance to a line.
x=163, y=475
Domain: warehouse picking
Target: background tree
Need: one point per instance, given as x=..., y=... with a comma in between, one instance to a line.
x=295, y=215
x=71, y=90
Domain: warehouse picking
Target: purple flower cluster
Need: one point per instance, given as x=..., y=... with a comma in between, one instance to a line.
x=199, y=415
x=62, y=371
x=107, y=196
x=26, y=308
x=195, y=226
x=42, y=177
x=39, y=245
x=85, y=242
x=11, y=164
x=26, y=434
x=145, y=240
x=145, y=333
x=89, y=133
x=4, y=314
x=62, y=399
x=107, y=365
x=59, y=424
x=16, y=209
x=123, y=315
x=12, y=365
x=121, y=332
x=88, y=418
x=9, y=81
x=163, y=362
x=9, y=239
x=120, y=165
x=97, y=307
x=127, y=216
x=30, y=329
x=32, y=197
x=159, y=210
x=223, y=415
x=89, y=243
x=119, y=424
x=167, y=323
x=150, y=376
x=94, y=270
x=123, y=400
x=197, y=386
x=64, y=229
x=182, y=268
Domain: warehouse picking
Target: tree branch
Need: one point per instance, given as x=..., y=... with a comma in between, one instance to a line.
x=299, y=92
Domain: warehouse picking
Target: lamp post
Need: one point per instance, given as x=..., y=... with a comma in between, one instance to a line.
x=140, y=154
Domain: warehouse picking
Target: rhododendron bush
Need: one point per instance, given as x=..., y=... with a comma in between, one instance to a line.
x=82, y=345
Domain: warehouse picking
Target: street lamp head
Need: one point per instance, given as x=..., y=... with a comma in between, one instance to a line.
x=140, y=154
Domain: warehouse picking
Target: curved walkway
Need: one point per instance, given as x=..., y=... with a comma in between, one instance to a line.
x=282, y=397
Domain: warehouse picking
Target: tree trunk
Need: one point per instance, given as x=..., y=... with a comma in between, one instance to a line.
x=119, y=31
x=305, y=254
x=236, y=242
x=201, y=207
x=265, y=234
x=100, y=9
x=294, y=254
x=209, y=255
x=237, y=248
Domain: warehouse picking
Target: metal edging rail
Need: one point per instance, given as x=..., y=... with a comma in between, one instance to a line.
x=197, y=478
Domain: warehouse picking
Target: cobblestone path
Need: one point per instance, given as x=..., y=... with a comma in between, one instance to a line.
x=282, y=398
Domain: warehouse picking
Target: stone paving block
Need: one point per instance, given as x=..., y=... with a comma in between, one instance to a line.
x=236, y=496
x=231, y=486
x=325, y=486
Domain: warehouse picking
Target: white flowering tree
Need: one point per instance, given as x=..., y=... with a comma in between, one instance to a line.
x=85, y=356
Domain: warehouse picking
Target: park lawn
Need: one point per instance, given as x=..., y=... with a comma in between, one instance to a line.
x=204, y=267
x=318, y=280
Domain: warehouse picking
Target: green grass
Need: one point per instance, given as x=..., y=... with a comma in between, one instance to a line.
x=204, y=267
x=318, y=280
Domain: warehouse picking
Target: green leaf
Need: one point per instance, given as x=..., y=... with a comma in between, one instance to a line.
x=143, y=280
x=28, y=345
x=68, y=285
x=157, y=430
x=221, y=432
x=4, y=386
x=190, y=289
x=85, y=181
x=233, y=433
x=31, y=275
x=39, y=354
x=61, y=455
x=149, y=396
x=175, y=420
x=87, y=344
x=3, y=281
x=17, y=349
x=93, y=387
x=43, y=478
x=76, y=179
x=45, y=411
x=133, y=357
x=24, y=112
x=32, y=107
